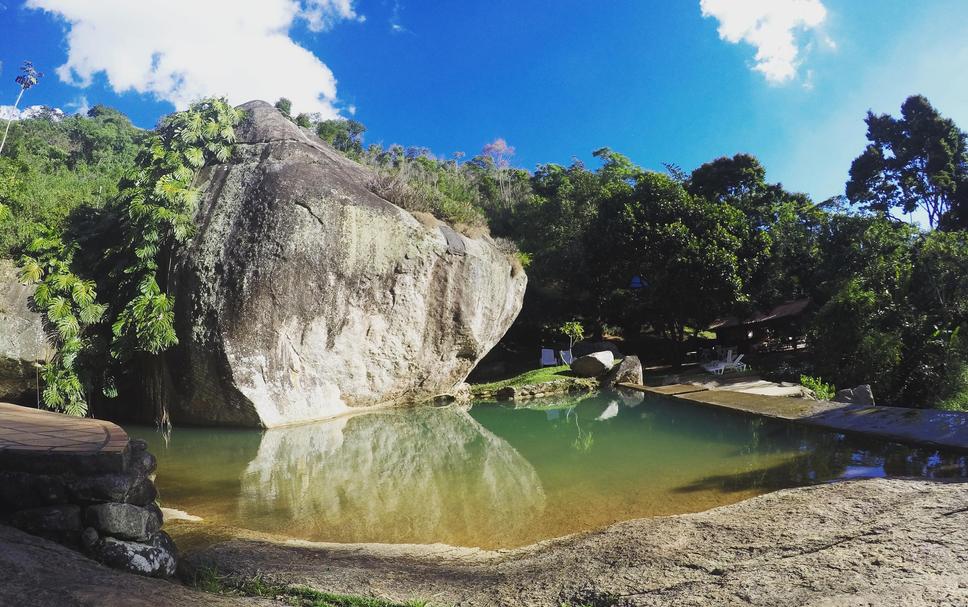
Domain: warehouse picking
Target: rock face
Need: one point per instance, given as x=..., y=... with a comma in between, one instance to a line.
x=593, y=365
x=22, y=340
x=123, y=521
x=629, y=370
x=588, y=347
x=40, y=573
x=154, y=558
x=866, y=542
x=861, y=395
x=303, y=294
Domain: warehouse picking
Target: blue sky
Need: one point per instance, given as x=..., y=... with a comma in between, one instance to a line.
x=678, y=82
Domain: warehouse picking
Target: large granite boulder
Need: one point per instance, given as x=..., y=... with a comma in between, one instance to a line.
x=627, y=371
x=23, y=344
x=593, y=365
x=586, y=347
x=304, y=295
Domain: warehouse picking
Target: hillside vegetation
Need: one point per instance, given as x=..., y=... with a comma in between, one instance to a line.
x=889, y=299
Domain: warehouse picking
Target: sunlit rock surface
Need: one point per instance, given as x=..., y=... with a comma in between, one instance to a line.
x=304, y=295
x=426, y=476
x=22, y=340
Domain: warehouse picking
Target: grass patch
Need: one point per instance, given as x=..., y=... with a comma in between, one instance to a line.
x=535, y=376
x=212, y=581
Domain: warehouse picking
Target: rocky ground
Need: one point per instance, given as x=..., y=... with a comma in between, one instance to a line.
x=39, y=573
x=869, y=542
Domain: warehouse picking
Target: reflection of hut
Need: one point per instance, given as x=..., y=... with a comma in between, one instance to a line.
x=780, y=327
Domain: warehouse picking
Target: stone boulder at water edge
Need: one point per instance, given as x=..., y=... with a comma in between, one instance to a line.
x=303, y=295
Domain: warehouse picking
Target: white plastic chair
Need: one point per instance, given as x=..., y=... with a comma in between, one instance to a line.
x=566, y=356
x=737, y=364
x=548, y=358
x=716, y=366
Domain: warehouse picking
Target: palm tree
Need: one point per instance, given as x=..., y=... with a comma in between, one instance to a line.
x=27, y=79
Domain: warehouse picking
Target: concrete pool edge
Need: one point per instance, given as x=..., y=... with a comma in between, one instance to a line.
x=930, y=427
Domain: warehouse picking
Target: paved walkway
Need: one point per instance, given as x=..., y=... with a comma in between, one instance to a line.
x=947, y=429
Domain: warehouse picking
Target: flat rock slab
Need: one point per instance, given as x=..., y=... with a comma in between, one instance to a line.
x=39, y=573
x=869, y=542
x=36, y=440
x=947, y=429
x=670, y=390
x=778, y=407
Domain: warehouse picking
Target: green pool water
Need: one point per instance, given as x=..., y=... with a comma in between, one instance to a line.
x=496, y=476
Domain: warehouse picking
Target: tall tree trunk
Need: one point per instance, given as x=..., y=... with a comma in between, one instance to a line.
x=7, y=130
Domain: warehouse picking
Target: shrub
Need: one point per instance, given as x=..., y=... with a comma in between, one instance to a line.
x=822, y=390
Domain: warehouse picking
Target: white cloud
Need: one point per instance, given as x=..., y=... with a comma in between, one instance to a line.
x=770, y=26
x=396, y=25
x=79, y=105
x=322, y=15
x=182, y=50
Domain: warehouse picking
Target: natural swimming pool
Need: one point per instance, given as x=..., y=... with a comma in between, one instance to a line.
x=497, y=476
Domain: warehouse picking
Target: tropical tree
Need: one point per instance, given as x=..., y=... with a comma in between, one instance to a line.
x=686, y=247
x=778, y=234
x=155, y=211
x=919, y=160
x=127, y=251
x=69, y=308
x=285, y=106
x=574, y=331
x=27, y=79
x=344, y=135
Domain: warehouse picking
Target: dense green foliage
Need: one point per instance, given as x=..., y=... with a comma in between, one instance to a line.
x=916, y=161
x=70, y=308
x=154, y=210
x=888, y=300
x=49, y=168
x=574, y=331
x=820, y=389
x=121, y=250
